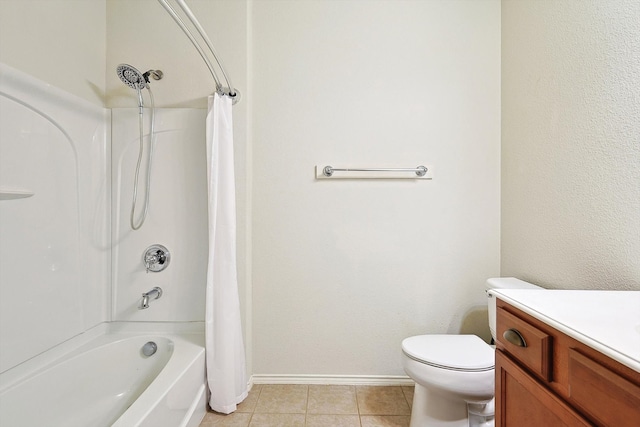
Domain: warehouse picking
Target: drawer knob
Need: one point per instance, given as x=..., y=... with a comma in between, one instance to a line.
x=514, y=337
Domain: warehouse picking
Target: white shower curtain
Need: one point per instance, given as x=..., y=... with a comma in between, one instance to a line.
x=225, y=359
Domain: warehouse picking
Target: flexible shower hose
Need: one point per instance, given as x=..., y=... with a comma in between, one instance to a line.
x=140, y=153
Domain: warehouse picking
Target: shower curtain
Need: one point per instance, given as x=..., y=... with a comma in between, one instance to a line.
x=225, y=358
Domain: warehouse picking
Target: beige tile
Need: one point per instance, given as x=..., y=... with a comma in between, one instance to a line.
x=385, y=420
x=408, y=394
x=282, y=399
x=249, y=404
x=332, y=399
x=333, y=421
x=277, y=420
x=235, y=419
x=381, y=401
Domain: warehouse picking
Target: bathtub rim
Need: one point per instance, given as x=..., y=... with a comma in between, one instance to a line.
x=190, y=331
x=185, y=358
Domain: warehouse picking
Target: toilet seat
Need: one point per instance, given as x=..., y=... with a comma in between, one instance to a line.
x=467, y=353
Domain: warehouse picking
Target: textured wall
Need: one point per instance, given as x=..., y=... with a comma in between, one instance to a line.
x=345, y=269
x=571, y=143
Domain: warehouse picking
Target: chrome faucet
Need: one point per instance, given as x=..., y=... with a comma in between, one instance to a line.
x=154, y=293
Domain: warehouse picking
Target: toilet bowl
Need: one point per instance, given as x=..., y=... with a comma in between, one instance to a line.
x=455, y=374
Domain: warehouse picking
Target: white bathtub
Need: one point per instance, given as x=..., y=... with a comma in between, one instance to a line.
x=109, y=382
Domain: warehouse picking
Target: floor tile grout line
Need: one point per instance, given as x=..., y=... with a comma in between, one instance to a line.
x=355, y=391
x=355, y=388
x=307, y=418
x=307, y=406
x=253, y=411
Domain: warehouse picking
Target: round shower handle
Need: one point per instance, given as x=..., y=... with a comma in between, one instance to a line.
x=156, y=258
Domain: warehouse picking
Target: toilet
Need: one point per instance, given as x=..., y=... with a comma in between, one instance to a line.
x=454, y=374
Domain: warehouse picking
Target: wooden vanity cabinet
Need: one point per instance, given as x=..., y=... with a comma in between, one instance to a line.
x=553, y=380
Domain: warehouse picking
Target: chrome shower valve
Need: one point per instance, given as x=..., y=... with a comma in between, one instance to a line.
x=156, y=258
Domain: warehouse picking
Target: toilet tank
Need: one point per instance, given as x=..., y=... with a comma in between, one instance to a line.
x=502, y=283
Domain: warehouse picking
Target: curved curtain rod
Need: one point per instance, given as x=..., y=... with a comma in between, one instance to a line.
x=205, y=37
x=229, y=89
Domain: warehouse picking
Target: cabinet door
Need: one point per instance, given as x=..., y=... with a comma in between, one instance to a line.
x=521, y=401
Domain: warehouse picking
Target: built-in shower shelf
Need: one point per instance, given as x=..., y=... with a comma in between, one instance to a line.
x=12, y=194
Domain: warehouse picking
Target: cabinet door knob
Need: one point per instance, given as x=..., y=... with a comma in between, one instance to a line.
x=514, y=337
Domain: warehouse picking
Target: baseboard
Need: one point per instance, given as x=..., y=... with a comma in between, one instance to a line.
x=373, y=380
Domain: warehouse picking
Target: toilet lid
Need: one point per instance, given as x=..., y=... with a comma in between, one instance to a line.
x=455, y=352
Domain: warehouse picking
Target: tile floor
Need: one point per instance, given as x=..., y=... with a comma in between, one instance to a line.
x=271, y=405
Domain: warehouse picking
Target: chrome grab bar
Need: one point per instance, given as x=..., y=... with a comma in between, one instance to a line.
x=419, y=170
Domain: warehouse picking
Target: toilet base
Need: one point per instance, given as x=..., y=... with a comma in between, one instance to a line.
x=435, y=409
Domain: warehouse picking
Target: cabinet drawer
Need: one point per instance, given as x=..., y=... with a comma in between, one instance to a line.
x=618, y=400
x=534, y=352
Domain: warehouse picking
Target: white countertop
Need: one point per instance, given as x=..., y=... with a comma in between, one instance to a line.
x=608, y=321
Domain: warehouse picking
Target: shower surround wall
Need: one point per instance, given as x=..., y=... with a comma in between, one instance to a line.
x=54, y=245
x=177, y=216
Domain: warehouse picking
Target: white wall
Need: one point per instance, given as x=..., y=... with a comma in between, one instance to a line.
x=571, y=143
x=344, y=270
x=45, y=39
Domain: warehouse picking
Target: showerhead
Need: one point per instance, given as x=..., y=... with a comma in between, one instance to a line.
x=131, y=77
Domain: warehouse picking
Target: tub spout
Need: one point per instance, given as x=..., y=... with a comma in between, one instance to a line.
x=154, y=293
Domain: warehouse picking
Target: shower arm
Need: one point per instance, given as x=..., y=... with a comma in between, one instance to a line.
x=230, y=90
